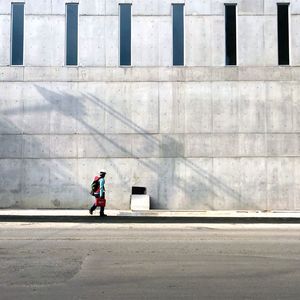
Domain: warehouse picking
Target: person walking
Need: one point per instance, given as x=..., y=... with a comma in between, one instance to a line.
x=99, y=186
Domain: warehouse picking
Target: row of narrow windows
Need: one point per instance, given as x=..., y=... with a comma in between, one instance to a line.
x=17, y=39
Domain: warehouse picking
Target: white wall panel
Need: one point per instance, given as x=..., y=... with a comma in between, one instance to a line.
x=4, y=40
x=91, y=41
x=44, y=41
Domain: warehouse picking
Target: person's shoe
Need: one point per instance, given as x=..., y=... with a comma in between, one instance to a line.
x=103, y=215
x=90, y=211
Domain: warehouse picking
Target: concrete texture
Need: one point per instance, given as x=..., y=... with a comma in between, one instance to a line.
x=202, y=136
x=150, y=261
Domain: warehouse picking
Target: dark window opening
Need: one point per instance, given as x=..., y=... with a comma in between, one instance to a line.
x=283, y=33
x=125, y=34
x=178, y=34
x=17, y=40
x=72, y=34
x=230, y=33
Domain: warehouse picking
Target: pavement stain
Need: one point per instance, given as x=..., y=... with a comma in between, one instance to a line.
x=38, y=266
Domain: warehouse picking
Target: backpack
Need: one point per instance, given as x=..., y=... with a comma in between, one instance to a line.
x=95, y=186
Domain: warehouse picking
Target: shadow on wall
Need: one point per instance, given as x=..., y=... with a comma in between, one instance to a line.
x=58, y=174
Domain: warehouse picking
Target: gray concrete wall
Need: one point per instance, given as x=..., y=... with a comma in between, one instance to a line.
x=203, y=136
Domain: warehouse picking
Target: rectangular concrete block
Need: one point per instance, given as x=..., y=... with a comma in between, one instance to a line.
x=36, y=146
x=33, y=7
x=11, y=108
x=251, y=42
x=296, y=204
x=283, y=144
x=279, y=107
x=296, y=106
x=37, y=108
x=252, y=7
x=64, y=107
x=228, y=73
x=4, y=40
x=112, y=41
x=253, y=183
x=50, y=74
x=63, y=146
x=195, y=7
x=112, y=7
x=36, y=172
x=155, y=50
x=145, y=145
x=144, y=108
x=145, y=50
x=92, y=41
x=198, y=107
x=148, y=8
x=92, y=7
x=225, y=145
x=198, y=145
x=172, y=145
x=192, y=74
x=199, y=183
x=91, y=108
x=226, y=183
x=10, y=146
x=104, y=145
x=172, y=107
x=5, y=7
x=59, y=7
x=295, y=39
x=63, y=173
x=140, y=202
x=118, y=114
x=198, y=49
x=270, y=41
x=152, y=7
x=68, y=196
x=36, y=196
x=280, y=183
x=10, y=182
x=252, y=107
x=217, y=41
x=11, y=74
x=45, y=41
x=172, y=183
x=295, y=7
x=225, y=96
x=252, y=144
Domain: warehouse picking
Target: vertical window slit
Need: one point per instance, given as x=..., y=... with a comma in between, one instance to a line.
x=72, y=34
x=230, y=33
x=178, y=34
x=17, y=33
x=283, y=33
x=125, y=34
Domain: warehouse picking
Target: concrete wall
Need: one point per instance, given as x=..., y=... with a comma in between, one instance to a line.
x=203, y=136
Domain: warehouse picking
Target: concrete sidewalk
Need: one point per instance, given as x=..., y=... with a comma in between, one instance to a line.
x=151, y=216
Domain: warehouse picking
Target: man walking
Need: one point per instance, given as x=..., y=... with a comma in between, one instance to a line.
x=99, y=193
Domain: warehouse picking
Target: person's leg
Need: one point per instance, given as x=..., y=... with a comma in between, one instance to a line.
x=92, y=208
x=102, y=214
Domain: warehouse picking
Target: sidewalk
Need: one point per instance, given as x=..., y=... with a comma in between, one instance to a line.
x=151, y=216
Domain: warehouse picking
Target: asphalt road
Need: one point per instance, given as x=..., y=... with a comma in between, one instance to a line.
x=149, y=261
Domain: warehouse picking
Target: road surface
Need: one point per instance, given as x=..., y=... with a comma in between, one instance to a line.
x=149, y=261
